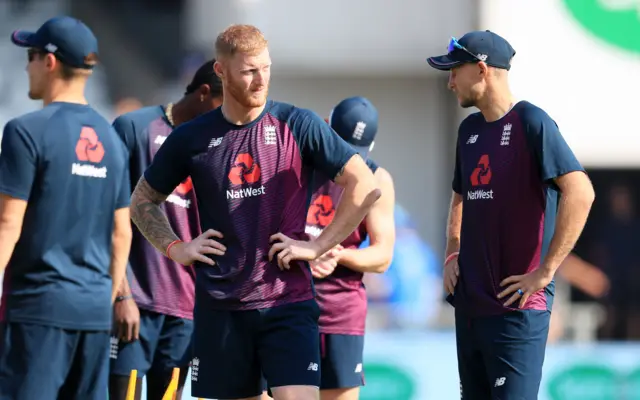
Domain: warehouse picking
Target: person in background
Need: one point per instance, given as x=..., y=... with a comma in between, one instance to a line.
x=65, y=229
x=154, y=314
x=338, y=274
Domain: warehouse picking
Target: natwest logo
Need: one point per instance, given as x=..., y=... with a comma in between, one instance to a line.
x=479, y=194
x=321, y=213
x=244, y=171
x=178, y=195
x=481, y=176
x=89, y=149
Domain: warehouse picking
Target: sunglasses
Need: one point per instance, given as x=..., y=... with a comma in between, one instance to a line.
x=32, y=53
x=453, y=45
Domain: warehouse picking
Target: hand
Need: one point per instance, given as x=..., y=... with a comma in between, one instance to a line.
x=127, y=320
x=186, y=253
x=523, y=286
x=450, y=275
x=324, y=265
x=289, y=249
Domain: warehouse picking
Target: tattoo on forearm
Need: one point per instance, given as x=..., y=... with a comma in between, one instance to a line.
x=149, y=217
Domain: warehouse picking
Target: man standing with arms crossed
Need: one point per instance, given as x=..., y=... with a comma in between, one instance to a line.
x=338, y=273
x=251, y=162
x=162, y=289
x=65, y=232
x=520, y=201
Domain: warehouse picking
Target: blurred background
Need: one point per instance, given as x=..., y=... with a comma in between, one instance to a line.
x=577, y=59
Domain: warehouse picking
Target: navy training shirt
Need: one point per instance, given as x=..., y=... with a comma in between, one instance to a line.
x=157, y=283
x=70, y=166
x=251, y=181
x=505, y=173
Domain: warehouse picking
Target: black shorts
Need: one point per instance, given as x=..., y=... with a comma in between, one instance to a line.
x=341, y=361
x=501, y=357
x=164, y=344
x=234, y=349
x=43, y=362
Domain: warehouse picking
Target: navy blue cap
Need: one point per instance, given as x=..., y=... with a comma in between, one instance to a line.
x=485, y=46
x=356, y=121
x=69, y=39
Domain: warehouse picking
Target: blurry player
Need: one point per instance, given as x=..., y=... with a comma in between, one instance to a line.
x=525, y=199
x=251, y=163
x=64, y=225
x=338, y=274
x=161, y=288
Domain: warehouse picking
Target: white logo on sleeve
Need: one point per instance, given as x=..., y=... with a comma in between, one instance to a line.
x=215, y=142
x=160, y=139
x=472, y=139
x=500, y=382
x=312, y=366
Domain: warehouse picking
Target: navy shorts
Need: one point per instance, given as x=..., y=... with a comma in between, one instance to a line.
x=164, y=344
x=341, y=361
x=234, y=349
x=500, y=357
x=43, y=362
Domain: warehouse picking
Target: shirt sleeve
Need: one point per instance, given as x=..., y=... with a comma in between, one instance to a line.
x=170, y=166
x=320, y=146
x=373, y=166
x=18, y=161
x=125, y=130
x=456, y=185
x=124, y=195
x=552, y=151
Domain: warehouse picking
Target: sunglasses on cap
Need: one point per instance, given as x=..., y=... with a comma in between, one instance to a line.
x=453, y=45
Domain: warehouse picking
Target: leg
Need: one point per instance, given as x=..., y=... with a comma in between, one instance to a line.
x=341, y=366
x=289, y=350
x=514, y=346
x=173, y=351
x=136, y=355
x=225, y=365
x=89, y=374
x=34, y=360
x=474, y=383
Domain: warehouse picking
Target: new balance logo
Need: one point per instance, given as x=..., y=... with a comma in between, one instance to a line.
x=312, y=367
x=215, y=142
x=500, y=382
x=472, y=139
x=358, y=368
x=160, y=139
x=270, y=134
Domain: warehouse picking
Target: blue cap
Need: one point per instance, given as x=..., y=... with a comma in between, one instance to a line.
x=476, y=46
x=356, y=121
x=69, y=39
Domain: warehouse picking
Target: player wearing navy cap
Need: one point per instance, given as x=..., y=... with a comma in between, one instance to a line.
x=338, y=273
x=251, y=162
x=65, y=232
x=162, y=289
x=520, y=201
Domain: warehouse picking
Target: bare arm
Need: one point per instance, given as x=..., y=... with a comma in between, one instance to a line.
x=11, y=216
x=360, y=193
x=454, y=224
x=120, y=247
x=573, y=210
x=149, y=217
x=381, y=230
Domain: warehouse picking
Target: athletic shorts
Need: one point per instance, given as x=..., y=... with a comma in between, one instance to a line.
x=500, y=357
x=341, y=361
x=234, y=349
x=164, y=344
x=43, y=362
